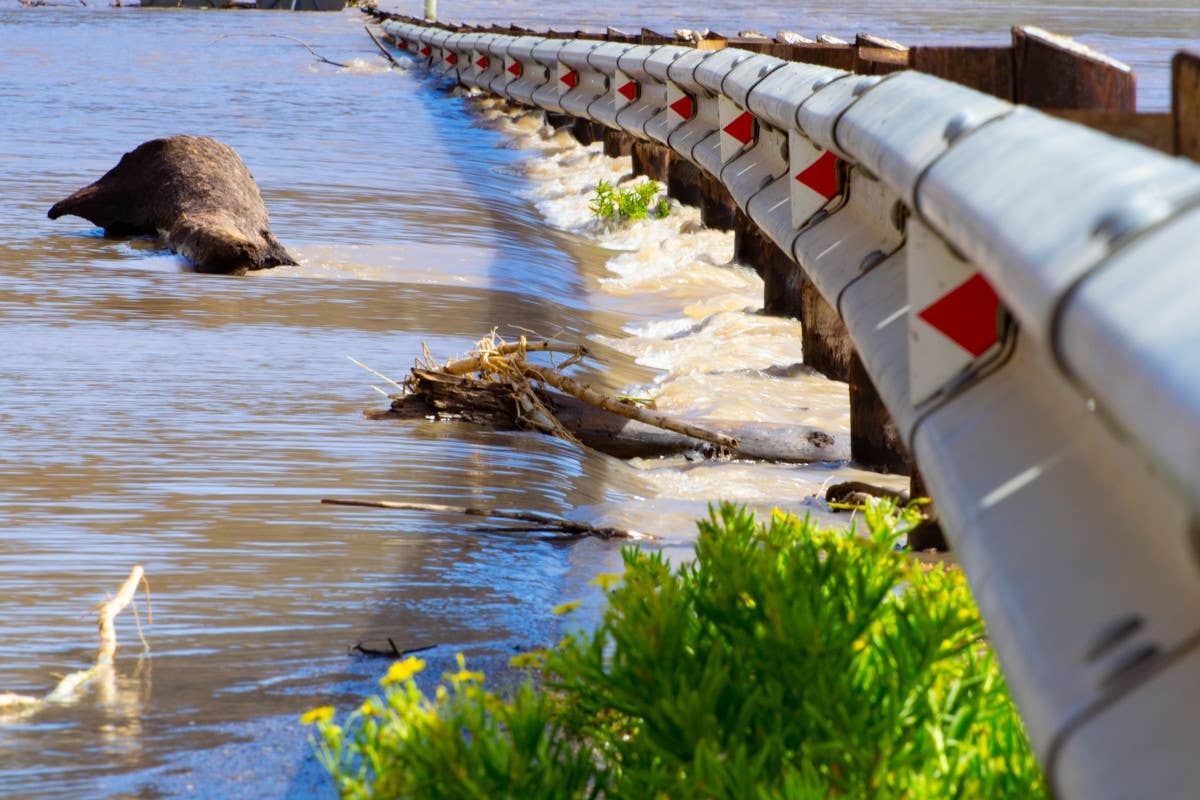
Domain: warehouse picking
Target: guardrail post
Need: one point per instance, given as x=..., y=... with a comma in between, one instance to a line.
x=781, y=277
x=877, y=56
x=586, y=131
x=1185, y=104
x=683, y=181
x=652, y=160
x=1056, y=72
x=985, y=69
x=875, y=441
x=824, y=339
x=717, y=207
x=617, y=143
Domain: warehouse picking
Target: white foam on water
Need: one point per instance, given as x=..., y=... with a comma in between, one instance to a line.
x=696, y=318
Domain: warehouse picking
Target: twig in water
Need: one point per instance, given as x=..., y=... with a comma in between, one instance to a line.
x=392, y=652
x=300, y=42
x=376, y=373
x=69, y=686
x=391, y=59
x=545, y=520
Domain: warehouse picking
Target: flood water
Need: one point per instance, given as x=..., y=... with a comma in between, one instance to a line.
x=192, y=423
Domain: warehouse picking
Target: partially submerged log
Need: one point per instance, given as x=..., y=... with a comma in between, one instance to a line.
x=192, y=191
x=449, y=392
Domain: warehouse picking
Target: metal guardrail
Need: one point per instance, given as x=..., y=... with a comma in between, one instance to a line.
x=1020, y=290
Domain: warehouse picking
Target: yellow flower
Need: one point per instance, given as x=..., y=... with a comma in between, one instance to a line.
x=467, y=676
x=605, y=580
x=320, y=714
x=564, y=608
x=368, y=709
x=530, y=659
x=403, y=670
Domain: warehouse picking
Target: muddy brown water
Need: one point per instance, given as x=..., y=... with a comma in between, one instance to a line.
x=191, y=423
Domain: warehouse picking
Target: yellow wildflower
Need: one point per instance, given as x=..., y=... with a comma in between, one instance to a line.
x=565, y=608
x=320, y=714
x=524, y=660
x=605, y=580
x=467, y=676
x=403, y=670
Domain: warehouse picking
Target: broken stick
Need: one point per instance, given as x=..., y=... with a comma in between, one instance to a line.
x=544, y=520
x=391, y=59
x=68, y=687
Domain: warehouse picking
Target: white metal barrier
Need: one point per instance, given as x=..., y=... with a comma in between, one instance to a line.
x=1020, y=290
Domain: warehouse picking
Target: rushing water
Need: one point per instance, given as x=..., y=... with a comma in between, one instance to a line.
x=191, y=423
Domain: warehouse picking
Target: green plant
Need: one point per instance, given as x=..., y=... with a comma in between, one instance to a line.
x=633, y=203
x=784, y=661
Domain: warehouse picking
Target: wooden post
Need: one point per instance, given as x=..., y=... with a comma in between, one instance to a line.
x=928, y=534
x=838, y=56
x=430, y=10
x=683, y=181
x=652, y=160
x=875, y=55
x=648, y=36
x=586, y=132
x=717, y=207
x=985, y=69
x=1185, y=104
x=557, y=121
x=875, y=441
x=1052, y=71
x=617, y=143
x=782, y=276
x=825, y=340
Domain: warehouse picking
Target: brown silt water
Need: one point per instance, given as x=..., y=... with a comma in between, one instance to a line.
x=191, y=423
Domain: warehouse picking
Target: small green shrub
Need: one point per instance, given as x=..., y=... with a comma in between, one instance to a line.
x=785, y=661
x=635, y=203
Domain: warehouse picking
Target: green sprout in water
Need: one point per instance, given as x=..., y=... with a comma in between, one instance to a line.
x=634, y=203
x=784, y=661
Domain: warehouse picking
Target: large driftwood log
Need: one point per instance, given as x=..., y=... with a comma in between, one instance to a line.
x=195, y=193
x=492, y=403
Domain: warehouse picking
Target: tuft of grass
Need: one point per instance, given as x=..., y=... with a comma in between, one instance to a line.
x=784, y=661
x=637, y=202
